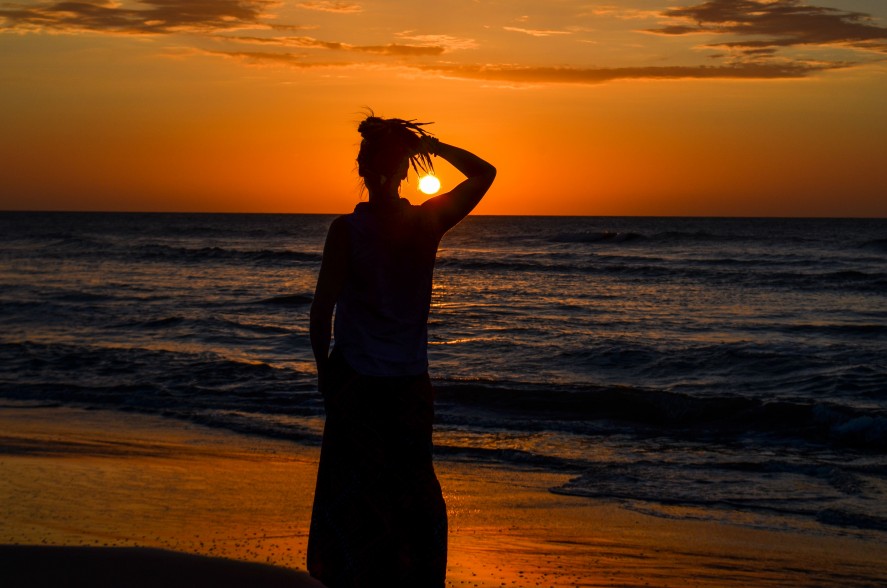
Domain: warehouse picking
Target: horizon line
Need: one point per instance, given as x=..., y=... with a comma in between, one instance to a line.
x=688, y=216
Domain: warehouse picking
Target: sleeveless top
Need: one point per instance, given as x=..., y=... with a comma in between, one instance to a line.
x=381, y=325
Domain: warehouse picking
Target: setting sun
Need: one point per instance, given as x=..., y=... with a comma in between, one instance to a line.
x=429, y=184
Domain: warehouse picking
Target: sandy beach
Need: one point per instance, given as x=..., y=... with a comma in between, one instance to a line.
x=124, y=493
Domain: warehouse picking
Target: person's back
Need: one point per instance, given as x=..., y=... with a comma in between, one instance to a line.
x=379, y=517
x=382, y=311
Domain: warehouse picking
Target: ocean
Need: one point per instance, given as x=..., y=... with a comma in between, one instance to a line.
x=717, y=369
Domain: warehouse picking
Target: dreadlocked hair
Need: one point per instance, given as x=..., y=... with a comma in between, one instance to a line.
x=386, y=144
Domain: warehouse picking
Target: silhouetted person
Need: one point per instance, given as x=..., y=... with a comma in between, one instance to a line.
x=379, y=517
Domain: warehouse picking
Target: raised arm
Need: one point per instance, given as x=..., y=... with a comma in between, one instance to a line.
x=453, y=206
x=330, y=280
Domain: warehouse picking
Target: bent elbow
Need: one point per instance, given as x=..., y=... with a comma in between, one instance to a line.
x=488, y=176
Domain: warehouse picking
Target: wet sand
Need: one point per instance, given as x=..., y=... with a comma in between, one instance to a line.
x=134, y=492
x=136, y=567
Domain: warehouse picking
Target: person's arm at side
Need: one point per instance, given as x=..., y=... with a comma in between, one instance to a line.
x=330, y=281
x=452, y=207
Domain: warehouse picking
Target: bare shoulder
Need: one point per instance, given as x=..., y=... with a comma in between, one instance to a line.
x=339, y=222
x=336, y=244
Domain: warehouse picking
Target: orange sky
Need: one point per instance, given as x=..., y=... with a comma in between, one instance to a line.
x=623, y=107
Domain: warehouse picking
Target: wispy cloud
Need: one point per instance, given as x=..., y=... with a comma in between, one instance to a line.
x=157, y=16
x=397, y=49
x=448, y=42
x=261, y=58
x=562, y=75
x=536, y=32
x=325, y=6
x=757, y=31
x=619, y=12
x=569, y=75
x=762, y=24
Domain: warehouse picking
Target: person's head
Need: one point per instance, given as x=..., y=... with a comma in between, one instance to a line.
x=388, y=149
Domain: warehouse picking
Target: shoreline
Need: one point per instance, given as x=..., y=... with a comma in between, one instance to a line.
x=99, y=480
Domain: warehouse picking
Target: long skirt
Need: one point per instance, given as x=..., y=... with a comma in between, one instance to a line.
x=379, y=517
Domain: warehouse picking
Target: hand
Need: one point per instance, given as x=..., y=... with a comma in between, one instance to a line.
x=429, y=145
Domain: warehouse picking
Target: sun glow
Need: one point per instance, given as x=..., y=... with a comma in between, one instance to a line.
x=429, y=185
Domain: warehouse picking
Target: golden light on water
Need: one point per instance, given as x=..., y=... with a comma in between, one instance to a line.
x=429, y=184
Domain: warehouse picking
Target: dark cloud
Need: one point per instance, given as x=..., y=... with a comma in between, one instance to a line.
x=172, y=16
x=777, y=23
x=157, y=16
x=757, y=29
